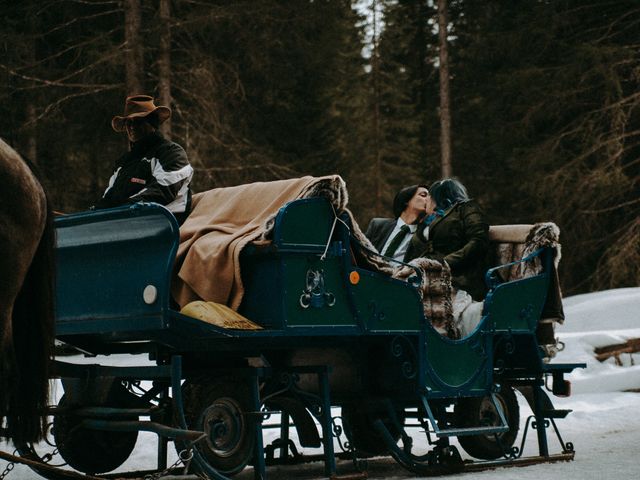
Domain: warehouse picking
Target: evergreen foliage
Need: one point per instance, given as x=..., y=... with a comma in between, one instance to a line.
x=547, y=122
x=544, y=104
x=407, y=85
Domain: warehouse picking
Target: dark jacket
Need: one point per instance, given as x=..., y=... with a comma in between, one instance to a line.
x=155, y=170
x=460, y=238
x=379, y=230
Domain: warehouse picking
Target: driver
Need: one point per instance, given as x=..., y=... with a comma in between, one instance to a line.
x=154, y=169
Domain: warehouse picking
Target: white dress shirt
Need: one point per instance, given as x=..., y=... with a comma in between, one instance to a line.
x=402, y=248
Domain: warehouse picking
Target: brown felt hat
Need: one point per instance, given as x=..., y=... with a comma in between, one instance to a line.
x=139, y=106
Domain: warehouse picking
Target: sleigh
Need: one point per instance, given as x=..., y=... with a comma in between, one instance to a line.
x=323, y=330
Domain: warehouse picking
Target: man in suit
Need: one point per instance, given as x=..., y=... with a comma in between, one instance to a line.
x=391, y=236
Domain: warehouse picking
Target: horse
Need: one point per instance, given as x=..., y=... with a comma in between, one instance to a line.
x=27, y=292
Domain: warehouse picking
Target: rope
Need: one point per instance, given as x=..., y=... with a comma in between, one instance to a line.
x=333, y=227
x=336, y=219
x=388, y=260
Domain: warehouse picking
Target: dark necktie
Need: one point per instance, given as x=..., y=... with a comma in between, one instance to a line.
x=396, y=241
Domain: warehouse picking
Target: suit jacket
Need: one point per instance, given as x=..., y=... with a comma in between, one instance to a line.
x=379, y=230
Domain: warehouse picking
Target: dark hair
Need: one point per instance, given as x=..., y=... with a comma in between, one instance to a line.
x=448, y=192
x=403, y=197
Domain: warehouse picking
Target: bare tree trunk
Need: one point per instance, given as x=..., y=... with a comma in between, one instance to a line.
x=376, y=111
x=164, y=62
x=133, y=53
x=445, y=111
x=31, y=144
x=31, y=148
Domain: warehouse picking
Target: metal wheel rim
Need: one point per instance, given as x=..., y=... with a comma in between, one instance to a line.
x=224, y=425
x=489, y=415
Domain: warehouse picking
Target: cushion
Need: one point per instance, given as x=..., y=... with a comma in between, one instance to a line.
x=219, y=315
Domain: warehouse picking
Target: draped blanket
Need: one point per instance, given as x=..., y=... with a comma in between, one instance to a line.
x=436, y=292
x=434, y=285
x=222, y=221
x=513, y=242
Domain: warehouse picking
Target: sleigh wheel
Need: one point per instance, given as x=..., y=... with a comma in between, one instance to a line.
x=88, y=450
x=219, y=407
x=473, y=412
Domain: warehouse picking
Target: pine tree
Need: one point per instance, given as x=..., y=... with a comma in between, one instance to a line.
x=408, y=88
x=548, y=126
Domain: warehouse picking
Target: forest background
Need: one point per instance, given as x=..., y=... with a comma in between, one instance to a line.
x=543, y=99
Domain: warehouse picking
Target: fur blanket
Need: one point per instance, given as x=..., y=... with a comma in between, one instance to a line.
x=513, y=242
x=435, y=291
x=434, y=286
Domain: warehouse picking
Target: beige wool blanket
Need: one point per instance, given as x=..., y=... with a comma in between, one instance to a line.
x=223, y=221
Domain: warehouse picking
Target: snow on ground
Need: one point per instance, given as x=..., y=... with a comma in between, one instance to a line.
x=604, y=425
x=596, y=320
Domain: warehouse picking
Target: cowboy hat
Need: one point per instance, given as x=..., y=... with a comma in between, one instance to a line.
x=139, y=106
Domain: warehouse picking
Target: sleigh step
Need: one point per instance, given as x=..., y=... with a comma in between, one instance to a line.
x=555, y=413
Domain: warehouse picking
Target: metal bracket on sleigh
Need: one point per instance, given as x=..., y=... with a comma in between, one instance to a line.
x=314, y=293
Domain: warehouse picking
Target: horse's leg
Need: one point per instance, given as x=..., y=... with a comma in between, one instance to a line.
x=14, y=265
x=27, y=308
x=33, y=334
x=7, y=359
